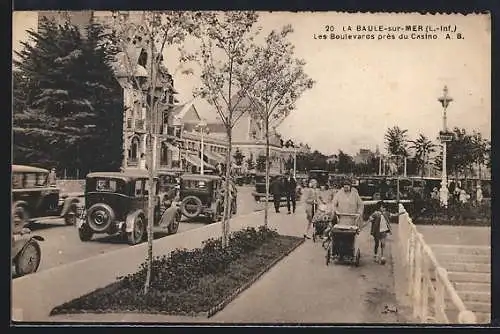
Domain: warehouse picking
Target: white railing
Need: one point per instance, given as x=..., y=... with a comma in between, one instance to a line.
x=429, y=290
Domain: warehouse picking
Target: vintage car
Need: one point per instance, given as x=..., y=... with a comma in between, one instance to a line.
x=203, y=195
x=117, y=202
x=33, y=199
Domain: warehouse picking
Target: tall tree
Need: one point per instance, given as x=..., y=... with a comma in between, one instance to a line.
x=396, y=141
x=276, y=79
x=59, y=118
x=154, y=30
x=345, y=163
x=423, y=148
x=224, y=47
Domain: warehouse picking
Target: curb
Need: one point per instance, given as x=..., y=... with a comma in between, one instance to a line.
x=206, y=314
x=245, y=286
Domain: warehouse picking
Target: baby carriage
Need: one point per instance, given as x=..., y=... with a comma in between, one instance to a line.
x=342, y=244
x=321, y=219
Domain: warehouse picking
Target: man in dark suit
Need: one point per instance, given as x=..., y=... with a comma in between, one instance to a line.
x=276, y=189
x=290, y=185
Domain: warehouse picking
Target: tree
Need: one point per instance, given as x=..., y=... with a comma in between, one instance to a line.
x=155, y=31
x=67, y=121
x=396, y=141
x=481, y=148
x=423, y=148
x=345, y=163
x=238, y=157
x=224, y=47
x=276, y=80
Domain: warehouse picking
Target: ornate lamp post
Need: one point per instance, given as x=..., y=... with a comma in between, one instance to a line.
x=444, y=136
x=201, y=127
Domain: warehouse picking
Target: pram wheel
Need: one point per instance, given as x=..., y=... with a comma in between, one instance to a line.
x=357, y=258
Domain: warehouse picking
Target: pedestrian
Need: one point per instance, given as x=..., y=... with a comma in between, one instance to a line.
x=276, y=189
x=290, y=185
x=52, y=177
x=347, y=201
x=463, y=197
x=479, y=194
x=380, y=229
x=312, y=198
x=435, y=194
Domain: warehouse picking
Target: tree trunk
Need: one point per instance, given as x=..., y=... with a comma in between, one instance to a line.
x=151, y=172
x=227, y=203
x=266, y=204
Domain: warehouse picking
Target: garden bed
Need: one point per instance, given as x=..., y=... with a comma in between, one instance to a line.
x=198, y=282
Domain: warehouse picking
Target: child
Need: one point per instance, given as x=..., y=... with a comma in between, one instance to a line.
x=380, y=228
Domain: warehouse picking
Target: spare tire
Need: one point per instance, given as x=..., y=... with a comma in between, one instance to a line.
x=100, y=216
x=191, y=206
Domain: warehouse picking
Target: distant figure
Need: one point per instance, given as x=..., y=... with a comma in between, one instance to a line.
x=463, y=197
x=312, y=199
x=290, y=185
x=142, y=162
x=435, y=194
x=479, y=194
x=276, y=189
x=52, y=177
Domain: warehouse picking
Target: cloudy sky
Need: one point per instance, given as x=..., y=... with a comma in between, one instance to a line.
x=364, y=86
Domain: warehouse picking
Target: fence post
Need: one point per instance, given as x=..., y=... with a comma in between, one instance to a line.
x=411, y=262
x=417, y=281
x=439, y=303
x=425, y=287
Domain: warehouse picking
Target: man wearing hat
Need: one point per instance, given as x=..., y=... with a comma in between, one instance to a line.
x=347, y=200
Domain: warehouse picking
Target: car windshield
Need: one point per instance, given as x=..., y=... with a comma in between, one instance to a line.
x=34, y=180
x=166, y=182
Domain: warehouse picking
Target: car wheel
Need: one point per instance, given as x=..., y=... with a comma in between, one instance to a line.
x=191, y=206
x=85, y=233
x=70, y=216
x=174, y=226
x=28, y=260
x=100, y=217
x=137, y=235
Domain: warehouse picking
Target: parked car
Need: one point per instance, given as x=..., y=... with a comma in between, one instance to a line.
x=25, y=253
x=117, y=202
x=203, y=195
x=33, y=198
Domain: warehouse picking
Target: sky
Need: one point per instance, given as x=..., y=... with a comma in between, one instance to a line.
x=365, y=86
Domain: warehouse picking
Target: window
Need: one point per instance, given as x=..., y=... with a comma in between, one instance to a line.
x=41, y=179
x=106, y=185
x=138, y=188
x=146, y=187
x=134, y=149
x=17, y=180
x=30, y=180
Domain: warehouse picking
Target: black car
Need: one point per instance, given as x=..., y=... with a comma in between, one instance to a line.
x=33, y=198
x=203, y=195
x=117, y=202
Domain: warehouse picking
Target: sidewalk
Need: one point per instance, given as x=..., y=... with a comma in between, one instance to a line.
x=299, y=289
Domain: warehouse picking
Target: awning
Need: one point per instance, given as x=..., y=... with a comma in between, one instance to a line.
x=214, y=156
x=194, y=160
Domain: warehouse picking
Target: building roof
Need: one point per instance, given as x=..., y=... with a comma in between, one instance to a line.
x=28, y=169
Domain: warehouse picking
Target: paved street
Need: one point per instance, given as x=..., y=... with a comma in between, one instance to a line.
x=300, y=289
x=62, y=245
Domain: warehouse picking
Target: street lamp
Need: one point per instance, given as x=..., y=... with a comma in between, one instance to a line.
x=444, y=136
x=201, y=127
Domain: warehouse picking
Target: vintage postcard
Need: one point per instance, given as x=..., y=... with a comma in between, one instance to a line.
x=250, y=167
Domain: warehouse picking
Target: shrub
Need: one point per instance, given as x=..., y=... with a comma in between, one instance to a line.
x=183, y=268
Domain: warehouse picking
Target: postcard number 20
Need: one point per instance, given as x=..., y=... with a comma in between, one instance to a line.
x=329, y=28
